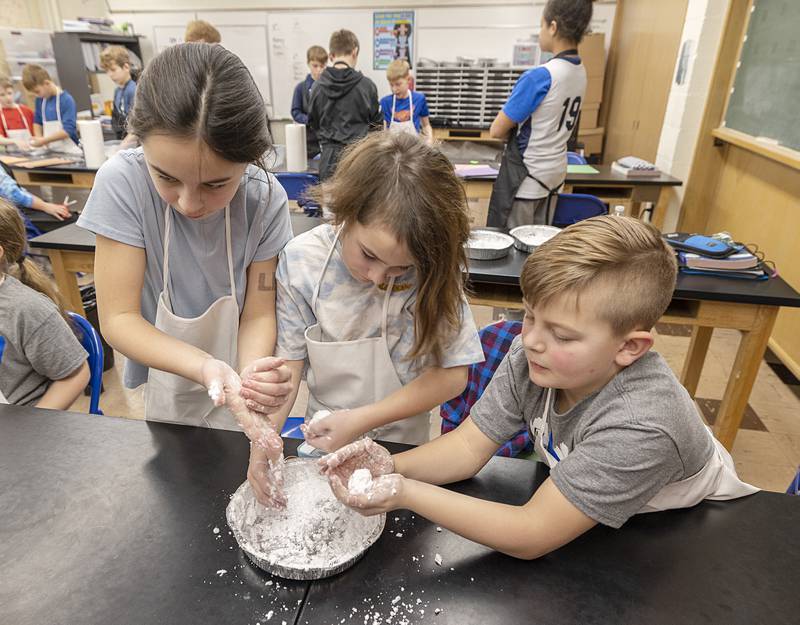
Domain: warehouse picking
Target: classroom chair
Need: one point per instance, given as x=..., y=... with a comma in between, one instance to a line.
x=573, y=158
x=291, y=429
x=295, y=185
x=90, y=339
x=495, y=340
x=575, y=207
x=794, y=487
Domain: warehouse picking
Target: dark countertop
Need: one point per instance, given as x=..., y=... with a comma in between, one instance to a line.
x=107, y=520
x=506, y=271
x=75, y=238
x=772, y=292
x=606, y=177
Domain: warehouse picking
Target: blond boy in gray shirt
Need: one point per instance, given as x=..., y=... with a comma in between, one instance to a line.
x=620, y=434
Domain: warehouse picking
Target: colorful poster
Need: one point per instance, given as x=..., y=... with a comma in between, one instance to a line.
x=393, y=33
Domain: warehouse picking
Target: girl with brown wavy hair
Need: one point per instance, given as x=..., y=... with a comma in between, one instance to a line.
x=42, y=364
x=372, y=306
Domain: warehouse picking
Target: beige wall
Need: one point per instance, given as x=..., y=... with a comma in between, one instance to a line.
x=703, y=30
x=22, y=14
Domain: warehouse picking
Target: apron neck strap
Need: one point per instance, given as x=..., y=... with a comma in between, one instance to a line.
x=385, y=311
x=410, y=104
x=165, y=264
x=315, y=296
x=58, y=107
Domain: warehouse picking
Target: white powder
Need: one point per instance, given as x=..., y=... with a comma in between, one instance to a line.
x=360, y=482
x=215, y=391
x=313, y=532
x=318, y=415
x=487, y=240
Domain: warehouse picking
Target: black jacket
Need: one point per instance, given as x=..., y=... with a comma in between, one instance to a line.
x=344, y=106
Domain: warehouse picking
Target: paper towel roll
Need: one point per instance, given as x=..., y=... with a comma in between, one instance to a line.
x=92, y=142
x=296, y=155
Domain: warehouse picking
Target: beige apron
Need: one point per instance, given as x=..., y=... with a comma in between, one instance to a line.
x=717, y=480
x=406, y=126
x=172, y=398
x=64, y=146
x=351, y=374
x=18, y=134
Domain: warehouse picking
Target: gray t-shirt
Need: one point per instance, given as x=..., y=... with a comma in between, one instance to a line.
x=40, y=346
x=125, y=206
x=617, y=447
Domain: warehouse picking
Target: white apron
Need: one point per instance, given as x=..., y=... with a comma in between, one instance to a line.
x=717, y=480
x=406, y=126
x=351, y=374
x=65, y=146
x=18, y=134
x=172, y=398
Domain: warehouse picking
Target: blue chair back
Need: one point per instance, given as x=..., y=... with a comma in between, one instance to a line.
x=794, y=487
x=295, y=185
x=291, y=429
x=574, y=207
x=90, y=339
x=495, y=341
x=573, y=158
x=2, y=347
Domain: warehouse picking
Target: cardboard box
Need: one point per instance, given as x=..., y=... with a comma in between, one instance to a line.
x=593, y=54
x=592, y=139
x=589, y=114
x=594, y=91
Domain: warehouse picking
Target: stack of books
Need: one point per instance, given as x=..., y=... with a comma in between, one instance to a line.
x=88, y=25
x=741, y=264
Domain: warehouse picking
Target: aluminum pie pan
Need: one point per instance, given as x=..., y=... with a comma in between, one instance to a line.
x=243, y=505
x=488, y=244
x=528, y=238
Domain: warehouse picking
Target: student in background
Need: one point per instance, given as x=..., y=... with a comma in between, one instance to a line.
x=21, y=198
x=538, y=120
x=618, y=431
x=372, y=308
x=55, y=121
x=16, y=119
x=116, y=63
x=43, y=362
x=202, y=32
x=344, y=103
x=317, y=60
x=405, y=110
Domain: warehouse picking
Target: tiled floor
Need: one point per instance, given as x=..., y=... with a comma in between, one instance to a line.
x=767, y=448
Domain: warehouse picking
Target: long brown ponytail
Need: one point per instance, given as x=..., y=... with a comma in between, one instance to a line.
x=13, y=260
x=397, y=180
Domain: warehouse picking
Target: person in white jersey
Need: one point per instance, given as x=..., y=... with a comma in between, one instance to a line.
x=538, y=119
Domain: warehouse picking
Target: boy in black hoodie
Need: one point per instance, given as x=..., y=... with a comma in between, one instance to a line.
x=344, y=103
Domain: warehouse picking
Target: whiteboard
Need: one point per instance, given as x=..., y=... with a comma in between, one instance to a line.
x=273, y=44
x=291, y=34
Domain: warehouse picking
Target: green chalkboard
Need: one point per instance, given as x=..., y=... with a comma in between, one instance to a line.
x=765, y=101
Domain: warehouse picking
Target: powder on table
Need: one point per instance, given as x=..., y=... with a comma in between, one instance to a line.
x=360, y=482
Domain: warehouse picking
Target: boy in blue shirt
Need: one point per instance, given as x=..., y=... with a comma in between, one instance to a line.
x=55, y=116
x=405, y=110
x=317, y=60
x=116, y=62
x=538, y=120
